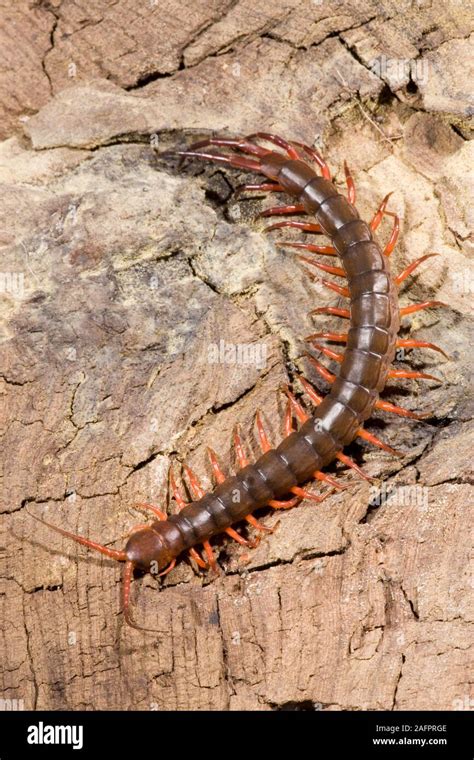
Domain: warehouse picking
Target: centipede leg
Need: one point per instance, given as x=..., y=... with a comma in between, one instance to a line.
x=238, y=162
x=402, y=343
x=317, y=158
x=361, y=433
x=258, y=525
x=180, y=503
x=316, y=399
x=351, y=191
x=411, y=268
x=337, y=271
x=336, y=288
x=220, y=478
x=263, y=187
x=277, y=210
x=265, y=445
x=242, y=144
x=216, y=468
x=320, y=368
x=276, y=140
x=381, y=212
x=326, y=250
x=304, y=226
x=386, y=406
x=394, y=234
x=419, y=306
x=243, y=462
x=377, y=218
x=371, y=438
x=400, y=373
x=333, y=311
x=158, y=512
x=335, y=337
x=288, y=427
x=328, y=352
x=239, y=448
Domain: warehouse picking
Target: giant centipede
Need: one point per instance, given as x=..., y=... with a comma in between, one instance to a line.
x=370, y=343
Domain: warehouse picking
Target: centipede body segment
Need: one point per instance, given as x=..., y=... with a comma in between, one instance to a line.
x=364, y=279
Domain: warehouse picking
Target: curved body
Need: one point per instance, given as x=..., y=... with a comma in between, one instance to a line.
x=370, y=350
x=370, y=341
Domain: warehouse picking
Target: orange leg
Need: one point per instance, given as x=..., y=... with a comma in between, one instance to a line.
x=180, y=503
x=401, y=342
x=242, y=144
x=336, y=288
x=216, y=468
x=411, y=268
x=317, y=158
x=276, y=210
x=158, y=512
x=351, y=191
x=258, y=525
x=220, y=478
x=276, y=140
x=328, y=352
x=328, y=376
x=377, y=218
x=333, y=311
x=238, y=162
x=361, y=433
x=337, y=271
x=419, y=306
x=420, y=344
x=326, y=250
x=335, y=337
x=112, y=553
x=385, y=406
x=239, y=448
x=304, y=226
x=316, y=398
x=370, y=438
x=197, y=492
x=396, y=373
x=262, y=187
x=396, y=224
x=394, y=234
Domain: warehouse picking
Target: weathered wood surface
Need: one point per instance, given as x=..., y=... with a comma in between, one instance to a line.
x=118, y=273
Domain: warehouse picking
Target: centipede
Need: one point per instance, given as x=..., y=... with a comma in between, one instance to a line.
x=281, y=475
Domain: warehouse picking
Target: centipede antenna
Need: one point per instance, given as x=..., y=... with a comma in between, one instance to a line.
x=111, y=553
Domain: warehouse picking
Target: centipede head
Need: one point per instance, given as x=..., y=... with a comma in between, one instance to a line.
x=145, y=549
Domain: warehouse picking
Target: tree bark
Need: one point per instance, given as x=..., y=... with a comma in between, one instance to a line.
x=122, y=275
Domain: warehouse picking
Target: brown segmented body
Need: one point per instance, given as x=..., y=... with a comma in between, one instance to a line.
x=363, y=373
x=371, y=341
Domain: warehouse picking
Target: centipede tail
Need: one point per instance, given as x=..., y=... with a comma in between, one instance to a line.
x=280, y=476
